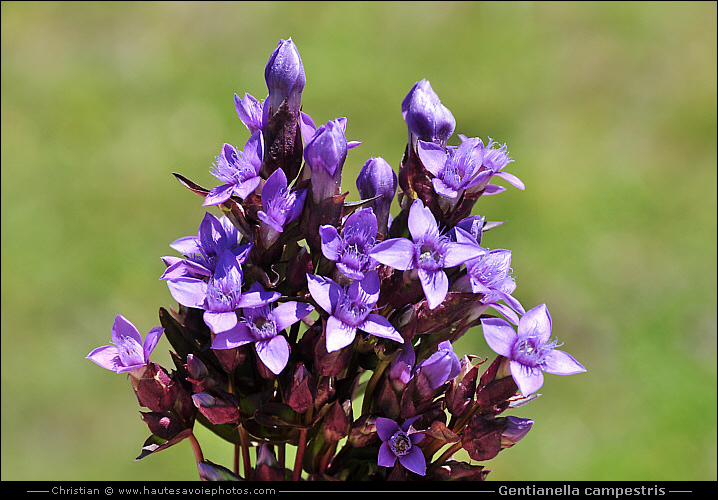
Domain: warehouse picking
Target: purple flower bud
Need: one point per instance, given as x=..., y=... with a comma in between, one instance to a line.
x=285, y=77
x=516, y=428
x=325, y=154
x=427, y=119
x=377, y=178
x=441, y=366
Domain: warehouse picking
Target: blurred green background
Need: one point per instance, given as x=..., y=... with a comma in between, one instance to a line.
x=609, y=110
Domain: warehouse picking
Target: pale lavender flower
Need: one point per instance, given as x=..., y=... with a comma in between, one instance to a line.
x=495, y=158
x=454, y=169
x=490, y=275
x=400, y=443
x=280, y=205
x=530, y=351
x=262, y=326
x=351, y=250
x=128, y=353
x=285, y=76
x=239, y=171
x=377, y=178
x=222, y=295
x=441, y=366
x=350, y=309
x=429, y=253
x=425, y=116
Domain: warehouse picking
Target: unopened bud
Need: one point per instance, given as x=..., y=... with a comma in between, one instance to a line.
x=285, y=76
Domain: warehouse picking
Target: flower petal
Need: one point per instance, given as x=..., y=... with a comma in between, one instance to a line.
x=107, y=357
x=220, y=322
x=414, y=461
x=386, y=457
x=396, y=252
x=442, y=188
x=432, y=156
x=128, y=341
x=247, y=187
x=274, y=353
x=339, y=334
x=435, y=285
x=537, y=323
x=511, y=179
x=421, y=221
x=218, y=195
x=499, y=335
x=235, y=337
x=386, y=427
x=153, y=336
x=528, y=380
x=190, y=292
x=562, y=363
x=379, y=326
x=331, y=242
x=458, y=253
x=288, y=313
x=324, y=291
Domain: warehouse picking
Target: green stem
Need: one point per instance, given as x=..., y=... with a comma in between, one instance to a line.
x=371, y=385
x=445, y=456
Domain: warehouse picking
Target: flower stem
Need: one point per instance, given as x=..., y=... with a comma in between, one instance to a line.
x=297, y=473
x=197, y=449
x=245, y=453
x=445, y=456
x=371, y=385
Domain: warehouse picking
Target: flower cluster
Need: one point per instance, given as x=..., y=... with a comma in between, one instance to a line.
x=307, y=320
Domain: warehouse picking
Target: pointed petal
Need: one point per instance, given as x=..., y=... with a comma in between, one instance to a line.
x=288, y=313
x=386, y=427
x=253, y=151
x=507, y=312
x=562, y=363
x=107, y=357
x=493, y=189
x=190, y=292
x=432, y=156
x=274, y=353
x=414, y=461
x=184, y=268
x=396, y=252
x=435, y=285
x=442, y=188
x=421, y=221
x=386, y=457
x=378, y=325
x=247, y=187
x=536, y=322
x=324, y=291
x=235, y=337
x=218, y=195
x=153, y=336
x=187, y=245
x=339, y=334
x=511, y=179
x=528, y=380
x=257, y=296
x=499, y=335
x=458, y=253
x=128, y=341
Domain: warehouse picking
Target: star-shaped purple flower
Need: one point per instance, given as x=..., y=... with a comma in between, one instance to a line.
x=530, y=351
x=280, y=205
x=350, y=309
x=239, y=171
x=351, y=250
x=400, y=443
x=262, y=325
x=429, y=253
x=251, y=112
x=128, y=352
x=222, y=295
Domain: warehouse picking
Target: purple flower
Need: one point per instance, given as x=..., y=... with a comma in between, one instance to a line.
x=262, y=325
x=454, y=169
x=285, y=76
x=238, y=170
x=325, y=153
x=399, y=443
x=427, y=119
x=251, y=112
x=441, y=366
x=530, y=351
x=377, y=178
x=401, y=368
x=280, y=205
x=495, y=158
x=202, y=251
x=350, y=309
x=429, y=253
x=128, y=352
x=489, y=275
x=222, y=295
x=351, y=250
